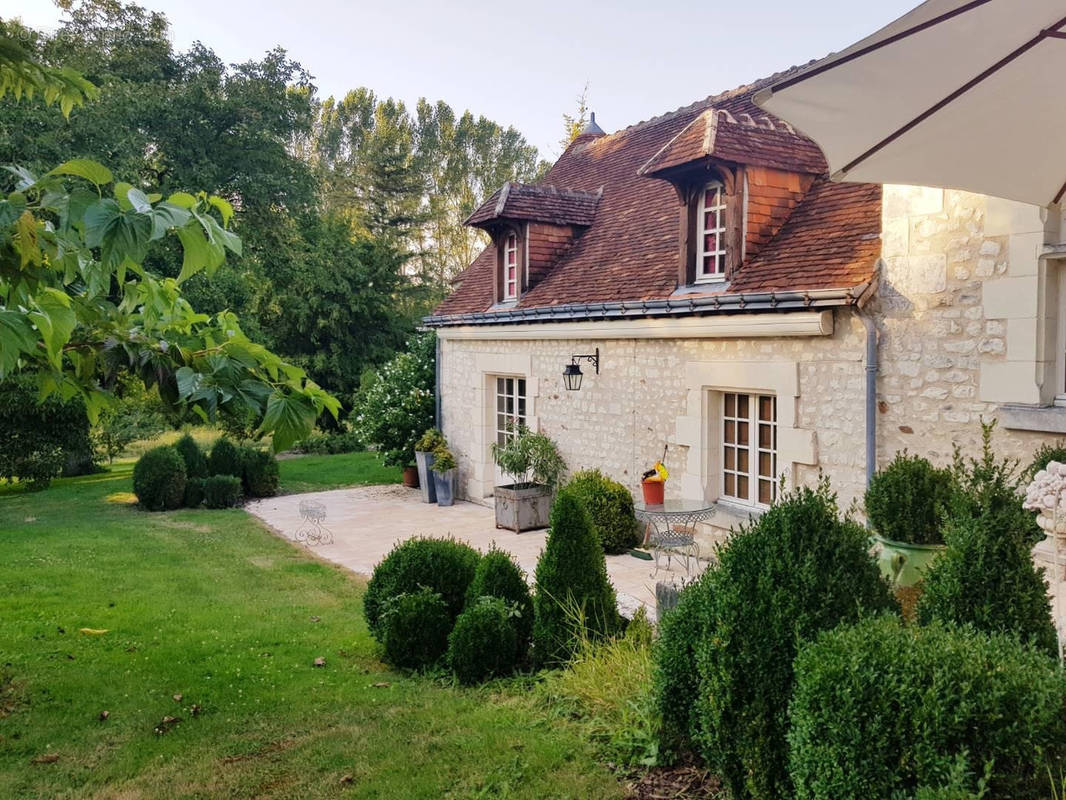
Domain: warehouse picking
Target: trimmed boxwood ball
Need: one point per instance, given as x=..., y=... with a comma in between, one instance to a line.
x=610, y=505
x=675, y=676
x=225, y=459
x=497, y=575
x=905, y=501
x=193, y=456
x=194, y=492
x=571, y=586
x=881, y=709
x=159, y=479
x=798, y=570
x=415, y=627
x=987, y=578
x=484, y=642
x=260, y=475
x=222, y=491
x=443, y=565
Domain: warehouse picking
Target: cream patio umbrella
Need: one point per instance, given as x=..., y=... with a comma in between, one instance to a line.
x=961, y=95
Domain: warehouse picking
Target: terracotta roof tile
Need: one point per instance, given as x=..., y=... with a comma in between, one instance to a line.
x=830, y=240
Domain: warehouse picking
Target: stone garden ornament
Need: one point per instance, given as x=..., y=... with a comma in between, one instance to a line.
x=1047, y=496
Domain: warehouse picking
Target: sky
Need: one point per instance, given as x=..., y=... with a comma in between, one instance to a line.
x=522, y=65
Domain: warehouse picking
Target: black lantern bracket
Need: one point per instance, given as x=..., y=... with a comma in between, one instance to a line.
x=572, y=372
x=592, y=358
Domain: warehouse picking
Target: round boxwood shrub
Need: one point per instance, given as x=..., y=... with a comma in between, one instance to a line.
x=610, y=505
x=225, y=459
x=159, y=479
x=675, y=676
x=987, y=578
x=497, y=575
x=484, y=643
x=798, y=570
x=222, y=491
x=193, y=456
x=881, y=710
x=260, y=475
x=905, y=501
x=443, y=565
x=415, y=627
x=194, y=492
x=572, y=588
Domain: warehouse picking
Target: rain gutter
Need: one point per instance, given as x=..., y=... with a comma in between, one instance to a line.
x=724, y=303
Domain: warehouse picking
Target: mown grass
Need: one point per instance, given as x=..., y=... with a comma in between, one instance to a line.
x=210, y=606
x=317, y=473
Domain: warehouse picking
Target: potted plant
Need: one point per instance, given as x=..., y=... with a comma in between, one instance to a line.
x=424, y=448
x=533, y=460
x=444, y=471
x=904, y=504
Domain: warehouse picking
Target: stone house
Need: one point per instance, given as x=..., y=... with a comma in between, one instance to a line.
x=760, y=320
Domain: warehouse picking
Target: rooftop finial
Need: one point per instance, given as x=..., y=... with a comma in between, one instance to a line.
x=592, y=127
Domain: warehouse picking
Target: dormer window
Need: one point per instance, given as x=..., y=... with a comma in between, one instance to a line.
x=510, y=267
x=711, y=234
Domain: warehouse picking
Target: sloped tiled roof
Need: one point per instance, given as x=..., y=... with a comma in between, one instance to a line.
x=540, y=203
x=760, y=141
x=631, y=251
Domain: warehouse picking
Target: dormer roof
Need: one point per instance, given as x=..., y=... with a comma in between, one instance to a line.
x=538, y=203
x=743, y=138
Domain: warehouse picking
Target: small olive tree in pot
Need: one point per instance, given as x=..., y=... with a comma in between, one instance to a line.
x=533, y=461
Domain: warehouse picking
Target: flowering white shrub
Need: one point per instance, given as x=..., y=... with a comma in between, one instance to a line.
x=395, y=405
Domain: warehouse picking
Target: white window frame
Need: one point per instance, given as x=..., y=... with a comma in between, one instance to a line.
x=751, y=452
x=511, y=406
x=1059, y=394
x=510, y=250
x=719, y=253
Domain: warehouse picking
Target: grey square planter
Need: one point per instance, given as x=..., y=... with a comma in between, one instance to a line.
x=523, y=506
x=425, y=476
x=444, y=483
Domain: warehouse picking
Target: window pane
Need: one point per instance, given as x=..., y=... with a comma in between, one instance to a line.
x=742, y=405
x=522, y=386
x=730, y=458
x=499, y=403
x=766, y=467
x=730, y=404
x=766, y=436
x=710, y=242
x=499, y=385
x=730, y=486
x=742, y=487
x=766, y=491
x=730, y=433
x=742, y=433
x=742, y=460
x=766, y=407
x=710, y=265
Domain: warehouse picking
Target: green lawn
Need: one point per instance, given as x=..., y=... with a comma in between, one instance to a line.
x=316, y=473
x=210, y=606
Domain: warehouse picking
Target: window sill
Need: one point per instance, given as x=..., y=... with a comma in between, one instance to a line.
x=729, y=515
x=1044, y=419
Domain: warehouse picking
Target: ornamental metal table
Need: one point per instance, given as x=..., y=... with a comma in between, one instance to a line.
x=672, y=529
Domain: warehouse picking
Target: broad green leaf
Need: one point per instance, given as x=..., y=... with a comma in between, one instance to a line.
x=16, y=338
x=182, y=200
x=166, y=216
x=195, y=247
x=122, y=190
x=99, y=217
x=224, y=208
x=188, y=381
x=290, y=417
x=139, y=200
x=26, y=240
x=85, y=168
x=154, y=197
x=55, y=320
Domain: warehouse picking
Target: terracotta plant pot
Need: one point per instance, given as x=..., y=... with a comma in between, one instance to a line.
x=654, y=492
x=410, y=477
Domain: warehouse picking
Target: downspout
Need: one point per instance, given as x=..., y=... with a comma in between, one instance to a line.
x=437, y=384
x=871, y=394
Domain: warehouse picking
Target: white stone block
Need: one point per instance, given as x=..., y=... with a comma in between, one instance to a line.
x=1009, y=298
x=1021, y=340
x=1008, y=382
x=1023, y=251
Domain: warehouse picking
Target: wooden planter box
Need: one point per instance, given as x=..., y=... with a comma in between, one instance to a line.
x=523, y=506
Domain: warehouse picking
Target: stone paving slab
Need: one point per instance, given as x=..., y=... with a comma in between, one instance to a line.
x=367, y=522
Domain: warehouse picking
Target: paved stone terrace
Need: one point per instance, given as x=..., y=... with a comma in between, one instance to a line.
x=367, y=522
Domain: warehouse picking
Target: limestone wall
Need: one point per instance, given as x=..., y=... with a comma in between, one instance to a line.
x=958, y=311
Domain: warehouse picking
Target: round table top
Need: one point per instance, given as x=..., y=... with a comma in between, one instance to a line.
x=675, y=507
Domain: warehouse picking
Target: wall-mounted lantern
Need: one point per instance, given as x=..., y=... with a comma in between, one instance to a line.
x=572, y=372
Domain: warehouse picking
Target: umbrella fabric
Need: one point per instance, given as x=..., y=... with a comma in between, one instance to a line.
x=962, y=95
